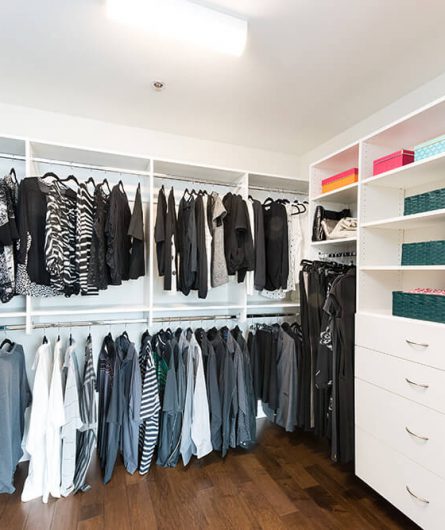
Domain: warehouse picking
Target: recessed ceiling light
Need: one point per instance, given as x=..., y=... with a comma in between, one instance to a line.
x=158, y=85
x=184, y=20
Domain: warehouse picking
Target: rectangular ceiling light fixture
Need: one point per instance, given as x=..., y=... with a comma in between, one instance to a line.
x=184, y=20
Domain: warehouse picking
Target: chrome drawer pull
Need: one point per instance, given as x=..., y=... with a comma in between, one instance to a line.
x=416, y=384
x=426, y=501
x=424, y=438
x=420, y=344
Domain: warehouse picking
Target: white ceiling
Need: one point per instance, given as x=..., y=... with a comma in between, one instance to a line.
x=311, y=68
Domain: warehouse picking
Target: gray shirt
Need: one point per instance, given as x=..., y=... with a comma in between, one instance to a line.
x=218, y=265
x=15, y=397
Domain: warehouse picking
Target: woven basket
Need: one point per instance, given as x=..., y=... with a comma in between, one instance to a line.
x=429, y=307
x=425, y=253
x=425, y=202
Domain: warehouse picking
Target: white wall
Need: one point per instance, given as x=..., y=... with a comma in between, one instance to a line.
x=97, y=135
x=409, y=103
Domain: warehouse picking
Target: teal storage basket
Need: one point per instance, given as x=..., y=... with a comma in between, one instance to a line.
x=431, y=148
x=425, y=253
x=425, y=202
x=430, y=307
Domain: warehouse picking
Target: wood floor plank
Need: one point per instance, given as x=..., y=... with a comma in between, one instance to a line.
x=281, y=503
x=285, y=481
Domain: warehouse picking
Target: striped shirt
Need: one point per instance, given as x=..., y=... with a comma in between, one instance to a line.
x=150, y=407
x=84, y=234
x=88, y=414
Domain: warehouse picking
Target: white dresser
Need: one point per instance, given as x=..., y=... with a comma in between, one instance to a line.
x=400, y=414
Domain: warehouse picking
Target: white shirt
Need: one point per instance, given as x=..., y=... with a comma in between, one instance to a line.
x=73, y=422
x=250, y=276
x=208, y=240
x=56, y=418
x=36, y=481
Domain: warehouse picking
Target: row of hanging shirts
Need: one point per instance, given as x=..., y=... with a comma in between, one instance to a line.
x=67, y=240
x=205, y=238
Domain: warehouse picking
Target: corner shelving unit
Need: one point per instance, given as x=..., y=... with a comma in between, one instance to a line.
x=144, y=299
x=389, y=349
x=346, y=197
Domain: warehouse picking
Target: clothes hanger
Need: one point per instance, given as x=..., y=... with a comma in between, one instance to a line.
x=6, y=341
x=121, y=184
x=269, y=200
x=45, y=340
x=251, y=198
x=90, y=180
x=105, y=181
x=70, y=177
x=50, y=174
x=14, y=175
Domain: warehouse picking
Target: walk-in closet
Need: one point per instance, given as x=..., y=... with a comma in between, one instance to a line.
x=222, y=254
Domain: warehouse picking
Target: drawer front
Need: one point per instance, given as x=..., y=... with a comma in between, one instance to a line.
x=419, y=342
x=411, y=429
x=390, y=474
x=414, y=381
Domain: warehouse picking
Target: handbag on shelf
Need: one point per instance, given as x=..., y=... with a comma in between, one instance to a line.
x=326, y=220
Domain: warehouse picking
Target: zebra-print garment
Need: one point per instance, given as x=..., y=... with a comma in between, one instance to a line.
x=85, y=224
x=150, y=407
x=61, y=241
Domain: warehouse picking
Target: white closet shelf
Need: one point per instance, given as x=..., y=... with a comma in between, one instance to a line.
x=345, y=195
x=186, y=308
x=328, y=242
x=384, y=268
x=387, y=314
x=273, y=305
x=418, y=220
x=418, y=173
x=13, y=314
x=90, y=310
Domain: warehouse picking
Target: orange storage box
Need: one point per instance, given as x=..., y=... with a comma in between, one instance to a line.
x=345, y=178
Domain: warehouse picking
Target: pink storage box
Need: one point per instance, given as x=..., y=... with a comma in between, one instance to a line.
x=392, y=161
x=343, y=174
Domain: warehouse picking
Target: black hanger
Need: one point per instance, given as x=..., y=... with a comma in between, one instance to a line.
x=125, y=334
x=90, y=180
x=251, y=198
x=45, y=340
x=14, y=175
x=70, y=177
x=51, y=174
x=6, y=341
x=105, y=181
x=71, y=339
x=121, y=184
x=89, y=337
x=269, y=200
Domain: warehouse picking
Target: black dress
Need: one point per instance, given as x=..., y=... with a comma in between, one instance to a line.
x=118, y=240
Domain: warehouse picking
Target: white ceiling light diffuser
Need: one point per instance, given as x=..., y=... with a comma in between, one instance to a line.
x=184, y=20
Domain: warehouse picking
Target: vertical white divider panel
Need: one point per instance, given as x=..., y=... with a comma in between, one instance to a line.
x=360, y=239
x=28, y=300
x=244, y=192
x=151, y=253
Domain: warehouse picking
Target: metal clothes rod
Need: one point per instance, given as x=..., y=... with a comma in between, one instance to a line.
x=107, y=169
x=278, y=190
x=193, y=180
x=12, y=157
x=91, y=323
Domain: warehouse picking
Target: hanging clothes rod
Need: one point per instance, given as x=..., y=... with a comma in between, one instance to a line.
x=12, y=157
x=278, y=190
x=193, y=180
x=91, y=323
x=106, y=169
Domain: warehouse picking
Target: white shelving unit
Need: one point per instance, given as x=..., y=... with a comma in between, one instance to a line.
x=143, y=298
x=390, y=351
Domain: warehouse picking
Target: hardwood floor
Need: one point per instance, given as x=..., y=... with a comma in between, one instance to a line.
x=287, y=481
